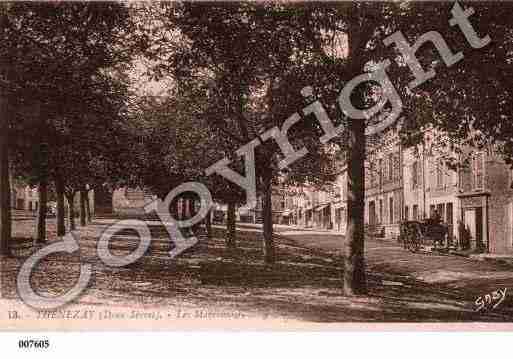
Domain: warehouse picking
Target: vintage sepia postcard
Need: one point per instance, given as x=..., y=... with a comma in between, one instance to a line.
x=277, y=165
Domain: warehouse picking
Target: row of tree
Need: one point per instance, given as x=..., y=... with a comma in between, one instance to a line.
x=63, y=90
x=245, y=65
x=236, y=70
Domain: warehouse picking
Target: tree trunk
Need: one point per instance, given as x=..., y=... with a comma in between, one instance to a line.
x=354, y=262
x=267, y=213
x=42, y=191
x=83, y=215
x=174, y=209
x=71, y=212
x=231, y=236
x=5, y=186
x=61, y=225
x=354, y=280
x=190, y=208
x=182, y=214
x=192, y=213
x=208, y=224
x=102, y=200
x=88, y=207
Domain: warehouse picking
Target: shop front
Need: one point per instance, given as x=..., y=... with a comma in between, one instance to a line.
x=475, y=218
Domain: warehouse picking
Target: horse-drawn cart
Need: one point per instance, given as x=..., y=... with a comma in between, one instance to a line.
x=416, y=234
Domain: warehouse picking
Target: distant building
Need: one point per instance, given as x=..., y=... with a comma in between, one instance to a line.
x=24, y=197
x=285, y=203
x=384, y=185
x=128, y=200
x=414, y=184
x=478, y=194
x=317, y=207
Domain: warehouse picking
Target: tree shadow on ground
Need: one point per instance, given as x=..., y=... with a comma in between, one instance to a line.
x=304, y=284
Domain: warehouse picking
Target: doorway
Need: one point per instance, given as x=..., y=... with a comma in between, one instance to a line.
x=372, y=213
x=473, y=219
x=479, y=228
x=449, y=219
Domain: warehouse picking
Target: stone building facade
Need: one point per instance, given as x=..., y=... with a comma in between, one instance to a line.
x=384, y=185
x=486, y=201
x=478, y=194
x=430, y=186
x=128, y=200
x=24, y=197
x=414, y=184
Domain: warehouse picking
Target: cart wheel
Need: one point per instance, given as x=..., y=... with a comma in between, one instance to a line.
x=413, y=243
x=408, y=243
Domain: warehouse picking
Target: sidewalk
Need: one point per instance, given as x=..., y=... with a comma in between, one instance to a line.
x=285, y=229
x=215, y=288
x=490, y=257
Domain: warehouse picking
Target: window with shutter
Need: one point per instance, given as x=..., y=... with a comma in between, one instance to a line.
x=432, y=209
x=381, y=211
x=439, y=174
x=397, y=173
x=419, y=174
x=380, y=170
x=466, y=181
x=478, y=176
x=391, y=210
x=390, y=167
x=440, y=208
x=372, y=174
x=414, y=175
x=398, y=210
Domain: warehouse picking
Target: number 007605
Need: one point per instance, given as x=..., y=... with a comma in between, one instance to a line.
x=33, y=344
